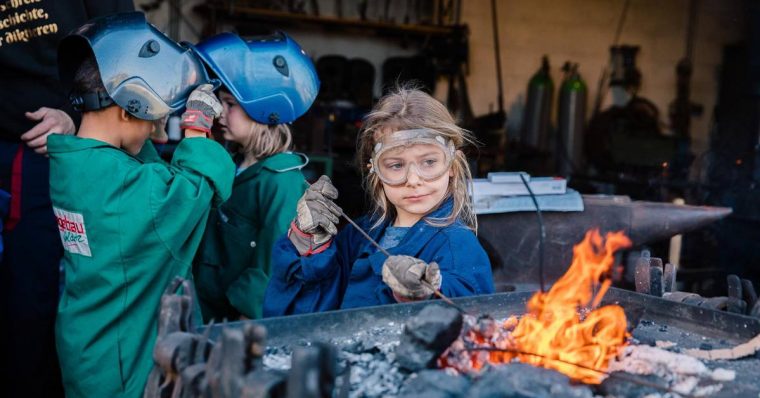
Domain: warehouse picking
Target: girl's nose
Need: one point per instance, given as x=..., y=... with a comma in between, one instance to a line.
x=413, y=177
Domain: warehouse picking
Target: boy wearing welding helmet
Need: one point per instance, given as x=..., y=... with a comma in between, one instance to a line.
x=129, y=222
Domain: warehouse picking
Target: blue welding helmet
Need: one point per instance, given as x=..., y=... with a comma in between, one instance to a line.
x=144, y=71
x=271, y=77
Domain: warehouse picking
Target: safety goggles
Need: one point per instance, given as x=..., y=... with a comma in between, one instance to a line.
x=424, y=150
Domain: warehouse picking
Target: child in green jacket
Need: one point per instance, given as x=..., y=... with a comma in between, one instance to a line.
x=275, y=84
x=129, y=222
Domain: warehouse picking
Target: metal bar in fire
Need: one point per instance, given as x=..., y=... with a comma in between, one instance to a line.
x=619, y=375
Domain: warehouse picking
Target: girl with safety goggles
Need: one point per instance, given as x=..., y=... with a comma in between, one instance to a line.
x=416, y=177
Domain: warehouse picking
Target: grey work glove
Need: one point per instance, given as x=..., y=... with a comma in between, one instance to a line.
x=405, y=276
x=201, y=109
x=317, y=217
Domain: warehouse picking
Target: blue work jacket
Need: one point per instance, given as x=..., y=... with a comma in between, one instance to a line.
x=349, y=273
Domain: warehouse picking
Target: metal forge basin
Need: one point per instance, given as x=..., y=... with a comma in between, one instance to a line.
x=686, y=325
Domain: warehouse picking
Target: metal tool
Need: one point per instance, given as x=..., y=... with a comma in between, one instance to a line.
x=387, y=254
x=741, y=299
x=176, y=347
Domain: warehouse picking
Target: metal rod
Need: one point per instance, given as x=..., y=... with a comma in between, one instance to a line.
x=621, y=23
x=619, y=375
x=444, y=298
x=691, y=29
x=497, y=55
x=382, y=250
x=366, y=235
x=600, y=87
x=387, y=254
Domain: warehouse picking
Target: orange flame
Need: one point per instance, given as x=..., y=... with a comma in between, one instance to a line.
x=554, y=326
x=564, y=324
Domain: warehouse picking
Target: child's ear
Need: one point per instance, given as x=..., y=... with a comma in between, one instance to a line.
x=124, y=116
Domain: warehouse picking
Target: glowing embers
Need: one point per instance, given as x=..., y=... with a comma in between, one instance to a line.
x=564, y=329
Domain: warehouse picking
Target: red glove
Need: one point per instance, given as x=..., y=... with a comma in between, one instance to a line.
x=201, y=109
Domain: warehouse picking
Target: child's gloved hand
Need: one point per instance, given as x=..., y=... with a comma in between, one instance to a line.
x=201, y=109
x=405, y=276
x=317, y=218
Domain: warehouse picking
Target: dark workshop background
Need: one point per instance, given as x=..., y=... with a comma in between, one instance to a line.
x=692, y=135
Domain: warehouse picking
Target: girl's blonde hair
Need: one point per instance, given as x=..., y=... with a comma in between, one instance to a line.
x=407, y=108
x=266, y=140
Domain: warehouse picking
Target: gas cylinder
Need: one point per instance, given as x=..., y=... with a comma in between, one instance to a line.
x=571, y=120
x=538, y=109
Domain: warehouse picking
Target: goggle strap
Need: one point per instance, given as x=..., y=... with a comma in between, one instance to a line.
x=420, y=133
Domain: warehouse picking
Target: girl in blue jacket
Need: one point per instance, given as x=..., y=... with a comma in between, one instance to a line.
x=417, y=178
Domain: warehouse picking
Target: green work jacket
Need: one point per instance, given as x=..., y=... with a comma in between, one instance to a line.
x=129, y=225
x=233, y=266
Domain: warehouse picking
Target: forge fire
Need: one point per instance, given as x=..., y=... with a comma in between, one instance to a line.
x=580, y=338
x=565, y=328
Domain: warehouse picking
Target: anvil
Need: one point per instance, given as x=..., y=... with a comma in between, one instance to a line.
x=512, y=239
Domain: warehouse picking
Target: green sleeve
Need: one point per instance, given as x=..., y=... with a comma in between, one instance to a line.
x=277, y=198
x=179, y=195
x=208, y=159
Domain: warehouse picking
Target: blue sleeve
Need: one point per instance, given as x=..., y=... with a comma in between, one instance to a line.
x=465, y=268
x=306, y=284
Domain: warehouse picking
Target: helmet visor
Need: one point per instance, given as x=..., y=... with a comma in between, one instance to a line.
x=422, y=151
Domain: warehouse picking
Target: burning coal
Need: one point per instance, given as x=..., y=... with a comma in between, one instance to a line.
x=564, y=329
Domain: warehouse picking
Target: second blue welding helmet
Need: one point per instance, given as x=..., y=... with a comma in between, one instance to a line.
x=143, y=71
x=271, y=77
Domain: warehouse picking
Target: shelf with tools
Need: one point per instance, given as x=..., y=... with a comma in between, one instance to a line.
x=242, y=13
